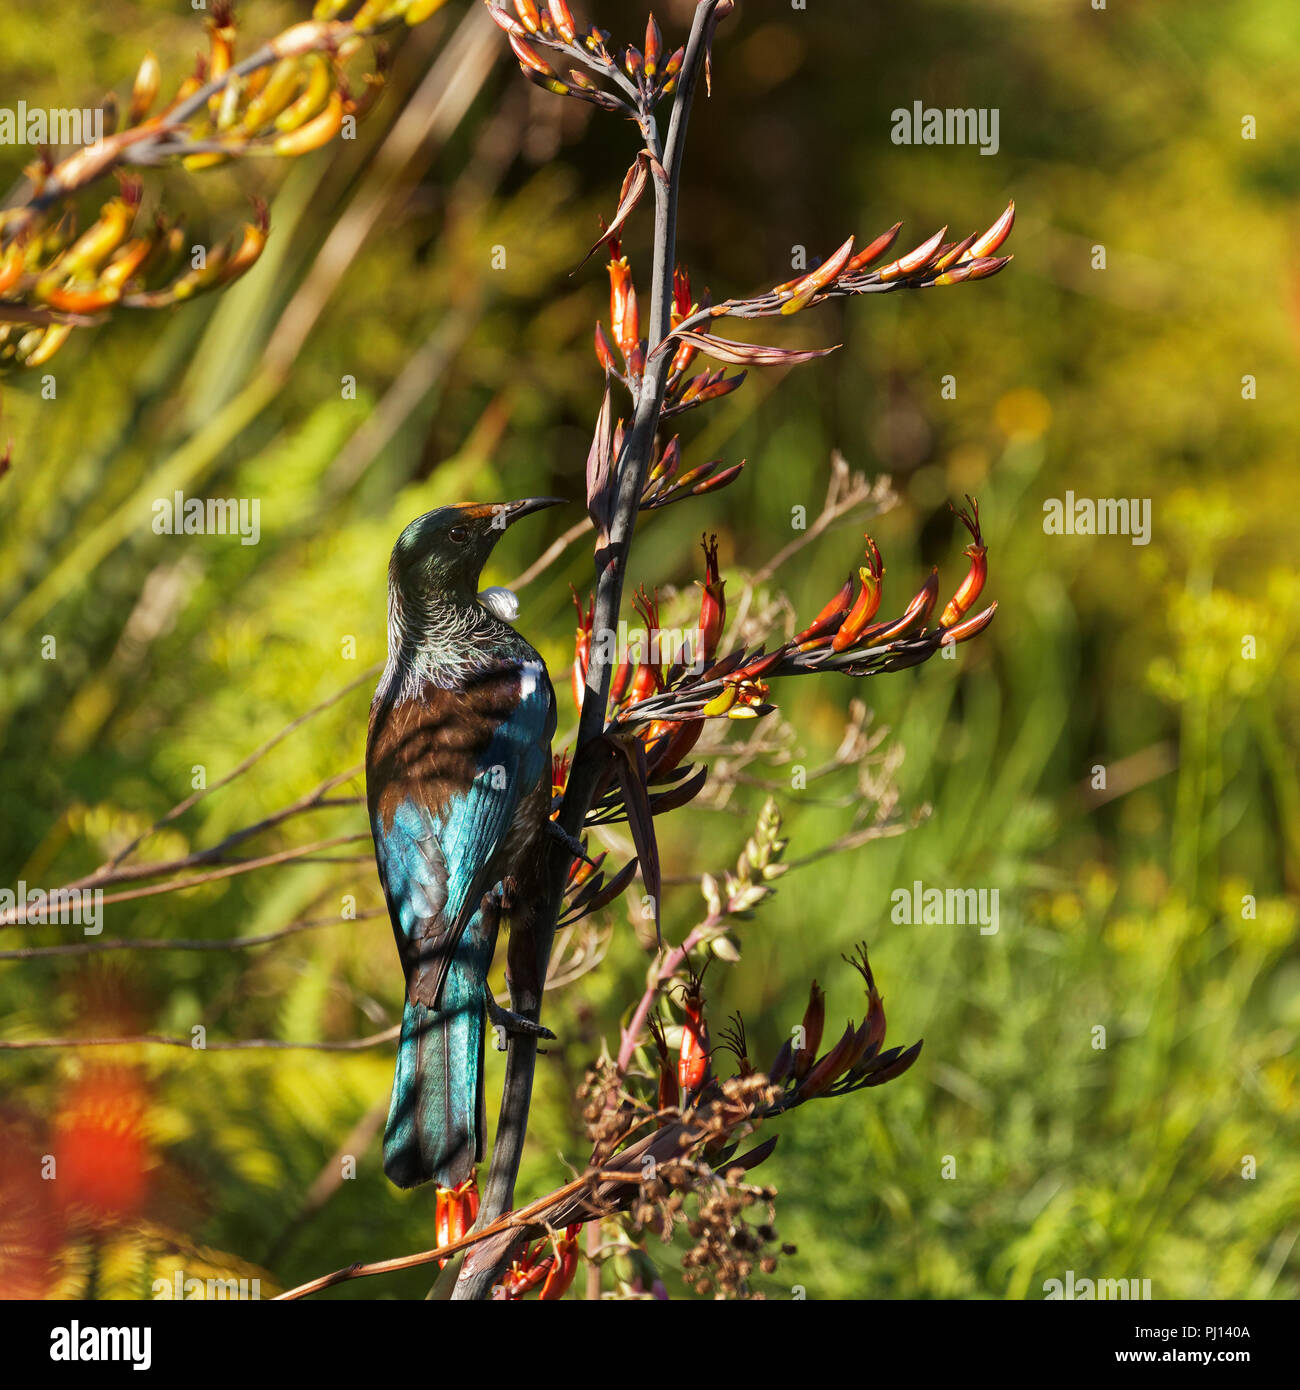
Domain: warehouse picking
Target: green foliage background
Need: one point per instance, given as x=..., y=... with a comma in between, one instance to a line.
x=1121, y=128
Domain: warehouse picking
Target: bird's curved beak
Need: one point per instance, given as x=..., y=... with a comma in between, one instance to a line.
x=514, y=510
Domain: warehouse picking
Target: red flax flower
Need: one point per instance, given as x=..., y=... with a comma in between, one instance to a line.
x=842, y=637
x=102, y=1154
x=693, y=1068
x=549, y=1265
x=455, y=1209
x=973, y=584
x=669, y=1097
x=853, y=1062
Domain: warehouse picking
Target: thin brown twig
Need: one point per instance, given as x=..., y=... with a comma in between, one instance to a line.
x=238, y=771
x=237, y=1045
x=233, y=943
x=15, y=916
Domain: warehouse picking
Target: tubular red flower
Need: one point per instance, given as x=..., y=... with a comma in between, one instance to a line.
x=693, y=1054
x=830, y=617
x=972, y=586
x=582, y=647
x=868, y=601
x=564, y=1265
x=713, y=601
x=814, y=1023
x=681, y=294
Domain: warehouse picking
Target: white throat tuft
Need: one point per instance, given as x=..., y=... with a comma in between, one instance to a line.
x=501, y=603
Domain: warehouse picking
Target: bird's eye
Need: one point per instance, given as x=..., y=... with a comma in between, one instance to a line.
x=458, y=534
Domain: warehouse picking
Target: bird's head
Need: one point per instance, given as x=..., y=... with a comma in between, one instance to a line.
x=440, y=555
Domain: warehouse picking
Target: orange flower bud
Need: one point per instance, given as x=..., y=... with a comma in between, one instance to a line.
x=317, y=132
x=311, y=102
x=682, y=358
x=604, y=349
x=915, y=260
x=144, y=90
x=97, y=243
x=529, y=58
x=828, y=619
x=653, y=46
x=963, y=632
x=752, y=670
x=503, y=21
x=644, y=683
x=665, y=466
x=126, y=263
x=876, y=248
x=563, y=19
x=252, y=242
x=12, y=259
x=987, y=244
x=51, y=341
x=88, y=300
x=628, y=331
x=527, y=12
x=953, y=252
x=803, y=290
x=276, y=94
x=222, y=38
x=917, y=612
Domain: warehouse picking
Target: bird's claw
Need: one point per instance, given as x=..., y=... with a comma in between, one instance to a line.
x=575, y=847
x=501, y=898
x=509, y=1022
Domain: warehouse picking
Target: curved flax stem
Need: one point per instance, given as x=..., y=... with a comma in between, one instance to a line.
x=478, y=1276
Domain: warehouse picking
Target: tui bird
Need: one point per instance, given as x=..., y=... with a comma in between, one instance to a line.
x=458, y=783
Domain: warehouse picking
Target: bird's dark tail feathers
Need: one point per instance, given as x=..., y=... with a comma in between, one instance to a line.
x=435, y=1119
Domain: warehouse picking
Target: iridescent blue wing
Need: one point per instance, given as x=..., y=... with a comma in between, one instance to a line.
x=436, y=847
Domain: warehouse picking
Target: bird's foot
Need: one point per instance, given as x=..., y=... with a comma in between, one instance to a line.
x=507, y=1022
x=575, y=847
x=501, y=898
